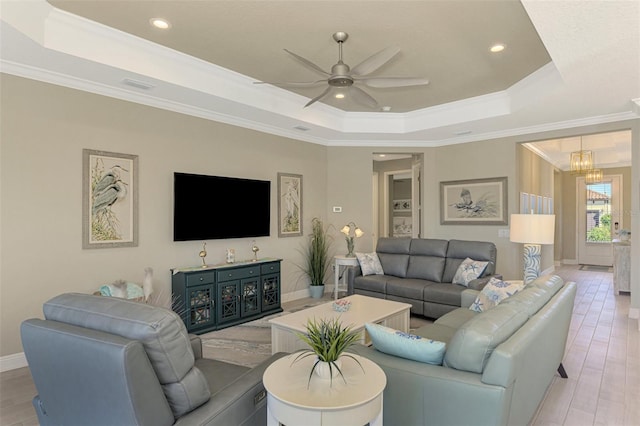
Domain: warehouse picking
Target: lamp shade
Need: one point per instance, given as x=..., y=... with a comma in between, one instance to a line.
x=532, y=228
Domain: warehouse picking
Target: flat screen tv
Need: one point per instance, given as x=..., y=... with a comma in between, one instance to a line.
x=217, y=207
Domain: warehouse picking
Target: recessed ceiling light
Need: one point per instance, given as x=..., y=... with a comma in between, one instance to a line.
x=386, y=108
x=339, y=95
x=163, y=24
x=382, y=155
x=497, y=48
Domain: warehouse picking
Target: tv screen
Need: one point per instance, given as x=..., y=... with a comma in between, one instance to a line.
x=217, y=207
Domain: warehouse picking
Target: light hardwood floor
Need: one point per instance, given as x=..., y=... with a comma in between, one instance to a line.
x=602, y=361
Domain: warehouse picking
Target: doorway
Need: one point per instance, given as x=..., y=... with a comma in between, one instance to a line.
x=397, y=201
x=598, y=219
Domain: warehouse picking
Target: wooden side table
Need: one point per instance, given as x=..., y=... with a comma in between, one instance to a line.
x=341, y=261
x=291, y=402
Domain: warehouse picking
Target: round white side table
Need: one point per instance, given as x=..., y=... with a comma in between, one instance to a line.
x=291, y=402
x=342, y=261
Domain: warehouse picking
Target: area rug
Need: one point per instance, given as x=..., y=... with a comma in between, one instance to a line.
x=596, y=268
x=245, y=344
x=249, y=344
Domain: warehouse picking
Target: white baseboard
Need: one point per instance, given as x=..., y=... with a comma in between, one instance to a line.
x=301, y=294
x=548, y=271
x=570, y=261
x=11, y=362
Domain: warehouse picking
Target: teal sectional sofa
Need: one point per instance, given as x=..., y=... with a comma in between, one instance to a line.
x=497, y=366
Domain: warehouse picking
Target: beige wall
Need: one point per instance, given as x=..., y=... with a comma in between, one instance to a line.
x=44, y=129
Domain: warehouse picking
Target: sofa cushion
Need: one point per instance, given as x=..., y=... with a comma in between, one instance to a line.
x=535, y=294
x=459, y=250
x=468, y=271
x=474, y=342
x=495, y=292
x=456, y=318
x=374, y=283
x=438, y=332
x=161, y=332
x=406, y=287
x=427, y=259
x=405, y=345
x=394, y=255
x=370, y=263
x=443, y=293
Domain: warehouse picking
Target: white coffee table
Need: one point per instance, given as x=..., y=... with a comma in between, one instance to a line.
x=363, y=310
x=293, y=400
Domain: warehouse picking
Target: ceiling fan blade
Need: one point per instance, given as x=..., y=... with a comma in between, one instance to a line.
x=375, y=61
x=363, y=98
x=385, y=82
x=292, y=83
x=307, y=62
x=320, y=96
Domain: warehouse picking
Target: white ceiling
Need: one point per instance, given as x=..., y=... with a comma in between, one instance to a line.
x=206, y=64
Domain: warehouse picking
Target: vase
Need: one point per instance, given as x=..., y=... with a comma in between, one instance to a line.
x=317, y=291
x=327, y=372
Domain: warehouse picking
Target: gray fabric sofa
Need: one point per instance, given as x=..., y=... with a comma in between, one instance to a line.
x=420, y=271
x=107, y=361
x=497, y=366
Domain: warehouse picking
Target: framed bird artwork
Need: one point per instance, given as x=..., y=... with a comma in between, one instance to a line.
x=109, y=199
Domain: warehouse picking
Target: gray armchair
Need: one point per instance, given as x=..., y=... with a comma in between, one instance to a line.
x=106, y=361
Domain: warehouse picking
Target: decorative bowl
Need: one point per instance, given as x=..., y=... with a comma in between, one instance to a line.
x=341, y=305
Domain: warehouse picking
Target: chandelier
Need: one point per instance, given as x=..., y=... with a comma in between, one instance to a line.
x=581, y=161
x=593, y=176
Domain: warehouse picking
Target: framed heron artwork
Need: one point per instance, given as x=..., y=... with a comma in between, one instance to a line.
x=109, y=199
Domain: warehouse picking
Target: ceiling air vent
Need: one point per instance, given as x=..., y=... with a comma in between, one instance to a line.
x=302, y=128
x=138, y=84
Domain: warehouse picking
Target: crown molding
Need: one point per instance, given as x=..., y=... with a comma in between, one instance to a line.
x=191, y=86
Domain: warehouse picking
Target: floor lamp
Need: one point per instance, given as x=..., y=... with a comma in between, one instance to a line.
x=532, y=230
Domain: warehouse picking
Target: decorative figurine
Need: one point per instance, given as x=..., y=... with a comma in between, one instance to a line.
x=255, y=249
x=203, y=254
x=231, y=255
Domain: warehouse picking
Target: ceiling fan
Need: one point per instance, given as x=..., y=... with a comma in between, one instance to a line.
x=343, y=77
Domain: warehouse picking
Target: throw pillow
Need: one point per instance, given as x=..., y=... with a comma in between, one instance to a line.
x=495, y=292
x=405, y=345
x=469, y=270
x=370, y=263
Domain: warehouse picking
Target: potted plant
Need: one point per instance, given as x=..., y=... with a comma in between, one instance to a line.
x=327, y=340
x=316, y=257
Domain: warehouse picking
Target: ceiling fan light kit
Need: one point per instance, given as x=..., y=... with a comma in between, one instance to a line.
x=344, y=78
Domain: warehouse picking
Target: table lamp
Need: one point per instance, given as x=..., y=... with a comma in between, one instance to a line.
x=357, y=233
x=532, y=230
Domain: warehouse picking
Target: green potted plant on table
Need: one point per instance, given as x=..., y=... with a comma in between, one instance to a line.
x=316, y=257
x=327, y=340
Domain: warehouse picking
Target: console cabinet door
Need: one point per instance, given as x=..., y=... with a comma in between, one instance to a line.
x=250, y=297
x=228, y=301
x=270, y=292
x=201, y=310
